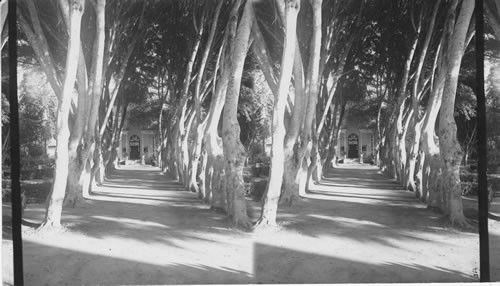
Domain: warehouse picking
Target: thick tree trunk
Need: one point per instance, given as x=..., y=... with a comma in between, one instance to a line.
x=56, y=197
x=397, y=137
x=292, y=163
x=451, y=152
x=212, y=141
x=417, y=87
x=75, y=167
x=429, y=148
x=271, y=198
x=234, y=152
x=79, y=179
x=311, y=91
x=200, y=128
x=182, y=130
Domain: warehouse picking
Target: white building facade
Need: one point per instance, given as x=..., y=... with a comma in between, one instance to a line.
x=137, y=145
x=356, y=143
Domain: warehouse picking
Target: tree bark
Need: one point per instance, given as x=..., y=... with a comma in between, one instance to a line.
x=399, y=148
x=200, y=128
x=83, y=150
x=234, y=152
x=417, y=86
x=56, y=197
x=183, y=132
x=212, y=141
x=292, y=163
x=271, y=198
x=74, y=188
x=311, y=91
x=451, y=151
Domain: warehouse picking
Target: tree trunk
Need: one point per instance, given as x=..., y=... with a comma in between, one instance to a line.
x=431, y=162
x=212, y=141
x=292, y=163
x=56, y=197
x=95, y=86
x=398, y=139
x=234, y=152
x=183, y=132
x=311, y=91
x=193, y=186
x=271, y=198
x=417, y=86
x=75, y=167
x=451, y=152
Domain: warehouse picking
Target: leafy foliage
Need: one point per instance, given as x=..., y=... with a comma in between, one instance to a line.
x=254, y=108
x=37, y=106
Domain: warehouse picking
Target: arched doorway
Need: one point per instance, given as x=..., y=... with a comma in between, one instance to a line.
x=352, y=146
x=135, y=147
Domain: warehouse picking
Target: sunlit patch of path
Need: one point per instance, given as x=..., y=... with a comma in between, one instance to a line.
x=142, y=228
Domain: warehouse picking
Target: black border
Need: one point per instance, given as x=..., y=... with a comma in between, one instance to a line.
x=484, y=254
x=482, y=154
x=14, y=148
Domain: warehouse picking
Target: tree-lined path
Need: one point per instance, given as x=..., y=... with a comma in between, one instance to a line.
x=241, y=99
x=140, y=227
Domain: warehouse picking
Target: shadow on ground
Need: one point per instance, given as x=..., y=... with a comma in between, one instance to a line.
x=88, y=269
x=299, y=267
x=146, y=207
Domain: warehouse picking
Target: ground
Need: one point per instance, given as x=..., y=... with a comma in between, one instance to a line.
x=356, y=226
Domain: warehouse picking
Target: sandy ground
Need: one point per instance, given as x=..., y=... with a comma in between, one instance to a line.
x=356, y=226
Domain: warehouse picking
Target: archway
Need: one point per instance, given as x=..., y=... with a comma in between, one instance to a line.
x=135, y=147
x=352, y=146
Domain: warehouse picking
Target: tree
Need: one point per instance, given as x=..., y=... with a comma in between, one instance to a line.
x=198, y=125
x=270, y=203
x=56, y=197
x=451, y=152
x=234, y=153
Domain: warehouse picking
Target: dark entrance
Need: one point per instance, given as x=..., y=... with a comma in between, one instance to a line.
x=135, y=147
x=353, y=146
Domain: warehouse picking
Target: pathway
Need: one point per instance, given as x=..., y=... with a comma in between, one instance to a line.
x=141, y=228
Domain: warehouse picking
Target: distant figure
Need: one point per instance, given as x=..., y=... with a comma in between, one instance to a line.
x=340, y=160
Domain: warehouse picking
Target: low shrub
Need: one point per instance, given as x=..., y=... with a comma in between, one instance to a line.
x=468, y=177
x=469, y=188
x=32, y=191
x=256, y=188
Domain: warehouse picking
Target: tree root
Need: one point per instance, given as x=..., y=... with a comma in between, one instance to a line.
x=48, y=226
x=290, y=201
x=264, y=223
x=77, y=202
x=245, y=225
x=262, y=226
x=462, y=224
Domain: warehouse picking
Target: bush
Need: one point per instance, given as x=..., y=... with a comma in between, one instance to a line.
x=469, y=189
x=256, y=188
x=32, y=191
x=494, y=168
x=468, y=177
x=36, y=150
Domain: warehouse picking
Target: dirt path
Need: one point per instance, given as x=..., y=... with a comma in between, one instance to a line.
x=357, y=226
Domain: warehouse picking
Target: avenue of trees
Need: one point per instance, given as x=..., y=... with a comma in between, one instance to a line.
x=218, y=77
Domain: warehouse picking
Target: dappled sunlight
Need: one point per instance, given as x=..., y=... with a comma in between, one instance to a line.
x=348, y=221
x=296, y=266
x=141, y=265
x=141, y=223
x=152, y=230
